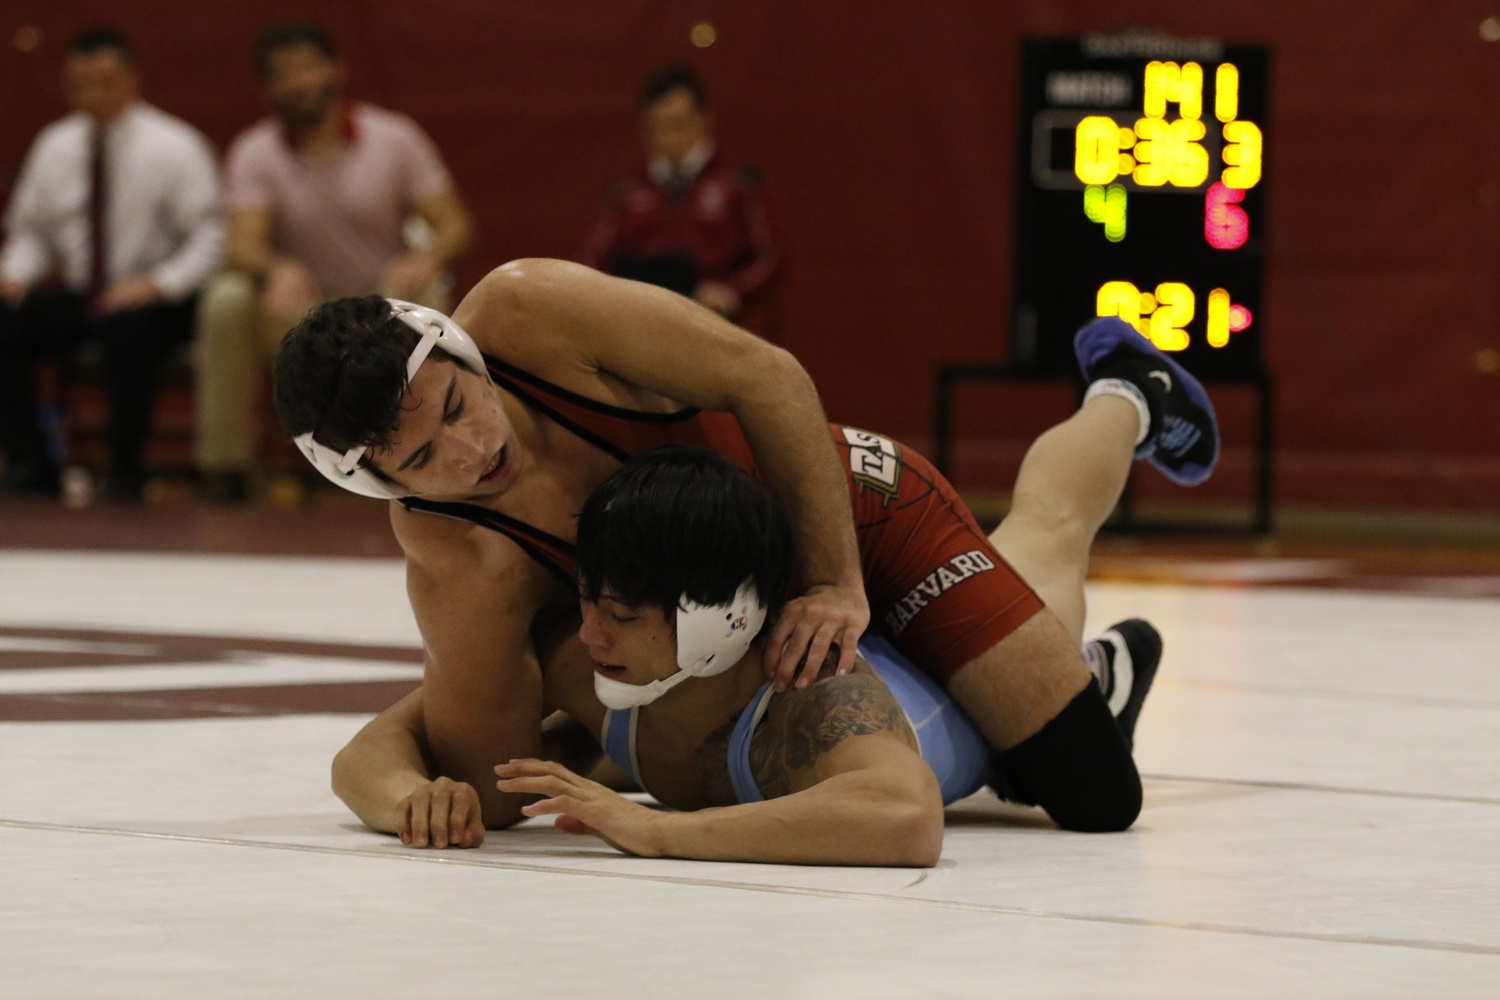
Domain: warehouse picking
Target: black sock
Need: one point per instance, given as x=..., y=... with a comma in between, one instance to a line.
x=1130, y=365
x=1077, y=767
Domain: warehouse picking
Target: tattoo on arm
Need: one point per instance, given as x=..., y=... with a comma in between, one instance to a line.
x=711, y=763
x=811, y=722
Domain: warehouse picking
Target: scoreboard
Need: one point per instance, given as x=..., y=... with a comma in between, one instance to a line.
x=1140, y=194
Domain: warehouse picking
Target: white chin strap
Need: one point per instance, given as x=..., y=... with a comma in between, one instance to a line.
x=437, y=330
x=711, y=638
x=618, y=695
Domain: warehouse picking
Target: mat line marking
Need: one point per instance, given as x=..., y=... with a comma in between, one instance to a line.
x=1330, y=694
x=873, y=897
x=1298, y=786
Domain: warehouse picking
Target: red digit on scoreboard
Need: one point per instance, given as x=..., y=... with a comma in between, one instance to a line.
x=1225, y=224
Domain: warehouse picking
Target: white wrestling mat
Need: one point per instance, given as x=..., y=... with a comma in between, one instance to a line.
x=1322, y=820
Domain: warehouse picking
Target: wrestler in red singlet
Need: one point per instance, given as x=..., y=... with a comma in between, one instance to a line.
x=936, y=585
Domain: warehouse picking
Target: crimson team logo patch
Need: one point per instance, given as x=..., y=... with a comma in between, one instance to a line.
x=875, y=462
x=935, y=585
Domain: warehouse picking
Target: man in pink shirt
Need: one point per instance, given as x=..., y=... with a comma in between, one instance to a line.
x=321, y=198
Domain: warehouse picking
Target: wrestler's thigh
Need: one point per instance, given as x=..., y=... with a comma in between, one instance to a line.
x=1021, y=683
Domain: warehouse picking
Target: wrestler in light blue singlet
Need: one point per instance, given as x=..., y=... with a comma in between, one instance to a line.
x=949, y=740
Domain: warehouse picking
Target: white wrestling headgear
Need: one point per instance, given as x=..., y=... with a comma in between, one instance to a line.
x=437, y=330
x=711, y=638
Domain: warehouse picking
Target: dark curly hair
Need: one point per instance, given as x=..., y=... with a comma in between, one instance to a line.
x=667, y=79
x=102, y=38
x=341, y=373
x=680, y=521
x=286, y=35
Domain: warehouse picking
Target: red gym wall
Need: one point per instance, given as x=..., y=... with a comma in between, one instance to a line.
x=886, y=130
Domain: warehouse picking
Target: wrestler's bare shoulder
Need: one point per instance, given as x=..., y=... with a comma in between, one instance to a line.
x=802, y=725
x=453, y=553
x=515, y=312
x=564, y=322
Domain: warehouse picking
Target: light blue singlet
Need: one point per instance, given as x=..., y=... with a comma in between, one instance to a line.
x=949, y=740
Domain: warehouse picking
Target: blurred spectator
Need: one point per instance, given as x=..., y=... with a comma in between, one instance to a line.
x=322, y=198
x=690, y=221
x=113, y=228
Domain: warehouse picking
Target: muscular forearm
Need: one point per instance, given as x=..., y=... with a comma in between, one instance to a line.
x=786, y=429
x=380, y=767
x=850, y=819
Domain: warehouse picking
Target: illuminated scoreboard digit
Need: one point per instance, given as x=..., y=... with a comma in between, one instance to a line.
x=1141, y=195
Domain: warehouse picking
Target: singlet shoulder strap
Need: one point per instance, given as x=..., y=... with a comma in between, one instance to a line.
x=554, y=554
x=617, y=737
x=512, y=374
x=572, y=411
x=740, y=773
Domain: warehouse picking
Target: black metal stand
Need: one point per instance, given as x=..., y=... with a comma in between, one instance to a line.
x=950, y=376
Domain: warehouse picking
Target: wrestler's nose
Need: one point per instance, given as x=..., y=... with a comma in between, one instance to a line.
x=468, y=442
x=593, y=631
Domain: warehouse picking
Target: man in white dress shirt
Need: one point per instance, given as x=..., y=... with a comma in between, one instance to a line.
x=114, y=226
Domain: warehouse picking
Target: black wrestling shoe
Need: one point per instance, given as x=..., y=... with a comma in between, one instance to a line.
x=1184, y=438
x=1131, y=649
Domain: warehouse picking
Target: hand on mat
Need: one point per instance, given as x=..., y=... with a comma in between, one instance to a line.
x=582, y=806
x=442, y=813
x=827, y=619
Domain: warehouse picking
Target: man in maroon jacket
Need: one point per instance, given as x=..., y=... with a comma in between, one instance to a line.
x=689, y=221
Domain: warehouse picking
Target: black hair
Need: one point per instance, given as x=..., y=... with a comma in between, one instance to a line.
x=287, y=34
x=341, y=373
x=670, y=78
x=678, y=522
x=102, y=38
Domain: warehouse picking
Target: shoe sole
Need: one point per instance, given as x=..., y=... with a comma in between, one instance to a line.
x=1100, y=336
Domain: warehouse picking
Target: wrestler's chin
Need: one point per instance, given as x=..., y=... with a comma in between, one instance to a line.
x=611, y=671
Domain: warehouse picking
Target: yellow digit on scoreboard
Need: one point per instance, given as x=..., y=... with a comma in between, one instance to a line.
x=1122, y=299
x=1242, y=154
x=1167, y=83
x=1227, y=92
x=1190, y=93
x=1096, y=156
x=1169, y=152
x=1177, y=305
x=1218, y=318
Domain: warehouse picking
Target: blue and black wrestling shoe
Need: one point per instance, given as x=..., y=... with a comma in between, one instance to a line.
x=1183, y=441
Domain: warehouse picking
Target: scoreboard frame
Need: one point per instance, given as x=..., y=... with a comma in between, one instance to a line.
x=1164, y=240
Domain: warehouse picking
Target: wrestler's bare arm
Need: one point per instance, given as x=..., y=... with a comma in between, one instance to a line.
x=481, y=699
x=386, y=777
x=391, y=776
x=851, y=790
x=475, y=597
x=643, y=345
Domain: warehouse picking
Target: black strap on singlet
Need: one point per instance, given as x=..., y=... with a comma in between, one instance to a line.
x=533, y=541
x=604, y=444
x=507, y=375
